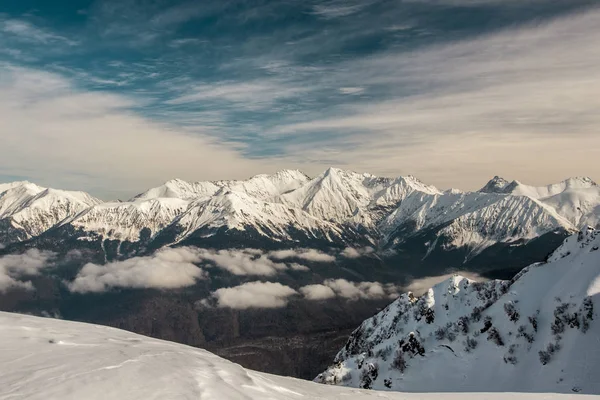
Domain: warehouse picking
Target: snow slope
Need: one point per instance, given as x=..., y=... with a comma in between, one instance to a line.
x=126, y=220
x=238, y=210
x=576, y=199
x=475, y=219
x=536, y=333
x=338, y=195
x=259, y=186
x=31, y=210
x=50, y=359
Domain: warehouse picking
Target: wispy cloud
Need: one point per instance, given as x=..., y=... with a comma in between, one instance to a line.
x=372, y=86
x=518, y=90
x=58, y=133
x=250, y=94
x=25, y=31
x=185, y=42
x=336, y=8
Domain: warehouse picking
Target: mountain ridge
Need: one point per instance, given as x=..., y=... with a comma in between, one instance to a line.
x=532, y=333
x=337, y=208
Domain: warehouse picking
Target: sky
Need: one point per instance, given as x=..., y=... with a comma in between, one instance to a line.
x=116, y=96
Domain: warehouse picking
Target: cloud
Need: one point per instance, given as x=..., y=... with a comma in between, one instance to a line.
x=242, y=262
x=299, y=267
x=506, y=98
x=173, y=268
x=349, y=290
x=25, y=31
x=13, y=267
x=351, y=252
x=185, y=42
x=167, y=269
x=59, y=134
x=351, y=90
x=254, y=295
x=514, y=100
x=421, y=285
x=251, y=94
x=304, y=254
x=337, y=9
x=317, y=292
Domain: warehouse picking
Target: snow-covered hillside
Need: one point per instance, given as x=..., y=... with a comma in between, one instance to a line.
x=576, y=199
x=126, y=220
x=536, y=333
x=50, y=359
x=29, y=210
x=338, y=208
x=238, y=210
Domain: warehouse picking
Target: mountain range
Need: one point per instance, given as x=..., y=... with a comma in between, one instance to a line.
x=337, y=209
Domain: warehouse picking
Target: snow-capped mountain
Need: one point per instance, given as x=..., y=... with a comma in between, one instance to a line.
x=576, y=199
x=125, y=221
x=238, y=211
x=538, y=332
x=28, y=210
x=338, y=195
x=43, y=358
x=259, y=186
x=336, y=209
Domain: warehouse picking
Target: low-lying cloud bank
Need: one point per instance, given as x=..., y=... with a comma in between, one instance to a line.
x=349, y=290
x=275, y=295
x=242, y=262
x=252, y=295
x=172, y=268
x=14, y=267
x=166, y=269
x=351, y=252
x=303, y=254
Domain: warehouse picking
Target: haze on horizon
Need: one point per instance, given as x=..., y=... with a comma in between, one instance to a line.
x=113, y=97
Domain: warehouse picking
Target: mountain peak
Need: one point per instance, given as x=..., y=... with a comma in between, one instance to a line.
x=497, y=185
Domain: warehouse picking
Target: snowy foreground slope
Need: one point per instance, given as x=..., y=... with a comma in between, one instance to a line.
x=52, y=359
x=539, y=332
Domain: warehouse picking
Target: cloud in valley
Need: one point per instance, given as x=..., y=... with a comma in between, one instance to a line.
x=178, y=267
x=171, y=268
x=253, y=295
x=351, y=252
x=317, y=292
x=303, y=254
x=349, y=290
x=13, y=267
x=242, y=262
